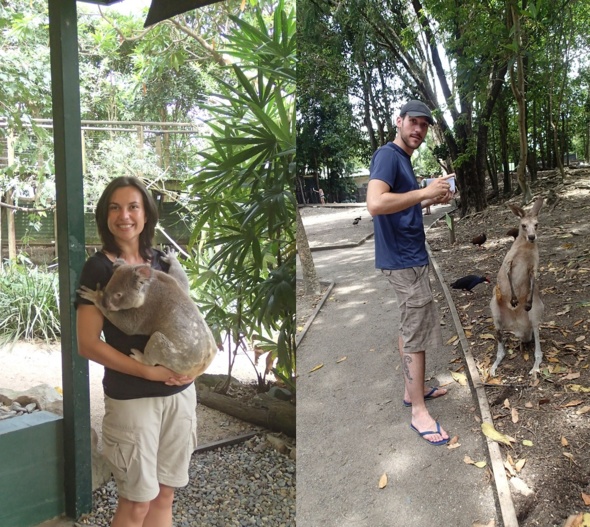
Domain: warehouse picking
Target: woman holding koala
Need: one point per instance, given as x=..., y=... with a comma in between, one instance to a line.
x=149, y=426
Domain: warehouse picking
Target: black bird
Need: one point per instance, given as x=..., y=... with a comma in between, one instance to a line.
x=513, y=232
x=467, y=283
x=356, y=221
x=479, y=240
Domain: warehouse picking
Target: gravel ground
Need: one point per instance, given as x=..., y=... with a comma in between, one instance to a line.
x=249, y=484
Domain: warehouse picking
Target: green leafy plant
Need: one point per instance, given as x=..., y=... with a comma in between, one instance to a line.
x=244, y=237
x=29, y=302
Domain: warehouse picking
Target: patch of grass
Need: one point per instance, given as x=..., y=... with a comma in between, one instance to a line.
x=29, y=303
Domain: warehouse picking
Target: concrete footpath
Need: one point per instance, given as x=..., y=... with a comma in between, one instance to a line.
x=352, y=427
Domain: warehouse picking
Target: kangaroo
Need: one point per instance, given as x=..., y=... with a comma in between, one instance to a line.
x=516, y=303
x=140, y=300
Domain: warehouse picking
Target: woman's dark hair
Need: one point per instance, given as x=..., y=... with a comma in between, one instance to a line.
x=151, y=213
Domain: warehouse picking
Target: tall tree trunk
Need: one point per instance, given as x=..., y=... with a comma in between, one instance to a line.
x=558, y=156
x=518, y=87
x=503, y=125
x=311, y=283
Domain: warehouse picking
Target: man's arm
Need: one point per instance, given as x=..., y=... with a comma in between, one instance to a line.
x=381, y=201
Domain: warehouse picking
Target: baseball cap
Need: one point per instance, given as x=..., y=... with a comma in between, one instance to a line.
x=416, y=109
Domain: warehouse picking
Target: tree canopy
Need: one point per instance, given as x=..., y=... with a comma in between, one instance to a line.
x=481, y=68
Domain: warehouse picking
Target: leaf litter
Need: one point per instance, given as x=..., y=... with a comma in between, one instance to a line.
x=546, y=415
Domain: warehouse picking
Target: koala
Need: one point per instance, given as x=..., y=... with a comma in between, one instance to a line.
x=140, y=300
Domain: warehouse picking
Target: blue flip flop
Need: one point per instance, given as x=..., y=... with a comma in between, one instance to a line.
x=422, y=434
x=428, y=396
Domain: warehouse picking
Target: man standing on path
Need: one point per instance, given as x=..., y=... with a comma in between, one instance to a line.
x=395, y=201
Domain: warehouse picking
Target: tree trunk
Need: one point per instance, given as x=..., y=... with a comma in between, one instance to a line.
x=518, y=88
x=503, y=125
x=310, y=278
x=272, y=413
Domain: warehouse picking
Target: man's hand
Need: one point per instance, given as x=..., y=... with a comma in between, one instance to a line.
x=438, y=191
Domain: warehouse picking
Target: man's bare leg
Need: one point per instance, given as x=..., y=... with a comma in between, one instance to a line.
x=413, y=365
x=440, y=391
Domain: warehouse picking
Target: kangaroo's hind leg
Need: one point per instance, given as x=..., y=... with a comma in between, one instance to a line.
x=538, y=352
x=501, y=352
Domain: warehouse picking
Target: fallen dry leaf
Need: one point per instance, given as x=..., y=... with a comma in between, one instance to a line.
x=509, y=468
x=580, y=338
x=579, y=520
x=478, y=464
x=514, y=415
x=586, y=498
x=487, y=336
x=383, y=481
x=340, y=360
x=564, y=442
x=519, y=464
x=571, y=376
x=575, y=402
x=461, y=378
x=579, y=388
x=489, y=431
x=527, y=442
x=316, y=368
x=528, y=404
x=452, y=339
x=583, y=410
x=506, y=403
x=453, y=443
x=569, y=456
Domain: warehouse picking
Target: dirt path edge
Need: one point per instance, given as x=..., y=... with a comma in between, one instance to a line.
x=507, y=508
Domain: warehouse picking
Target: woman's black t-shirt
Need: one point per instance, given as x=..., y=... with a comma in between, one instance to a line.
x=98, y=269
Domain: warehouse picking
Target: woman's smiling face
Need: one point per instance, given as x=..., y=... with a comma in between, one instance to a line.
x=126, y=219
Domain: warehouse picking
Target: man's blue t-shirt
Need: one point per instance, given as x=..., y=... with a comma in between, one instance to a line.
x=400, y=241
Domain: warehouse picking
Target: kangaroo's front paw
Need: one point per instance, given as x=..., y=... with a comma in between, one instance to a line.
x=514, y=301
x=528, y=306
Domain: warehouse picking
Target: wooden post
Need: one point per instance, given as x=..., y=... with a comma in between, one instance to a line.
x=65, y=86
x=451, y=226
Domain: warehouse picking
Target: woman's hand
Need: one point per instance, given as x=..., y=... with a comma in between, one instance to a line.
x=163, y=374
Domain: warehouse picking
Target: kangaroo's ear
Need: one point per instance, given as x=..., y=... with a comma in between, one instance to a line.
x=537, y=206
x=516, y=210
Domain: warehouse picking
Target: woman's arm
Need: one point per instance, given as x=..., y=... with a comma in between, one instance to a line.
x=89, y=327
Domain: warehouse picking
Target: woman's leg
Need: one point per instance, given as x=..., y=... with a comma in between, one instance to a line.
x=130, y=513
x=160, y=512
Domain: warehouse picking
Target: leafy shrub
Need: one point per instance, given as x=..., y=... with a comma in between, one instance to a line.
x=29, y=303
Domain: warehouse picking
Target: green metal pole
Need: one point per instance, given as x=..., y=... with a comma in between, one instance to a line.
x=65, y=83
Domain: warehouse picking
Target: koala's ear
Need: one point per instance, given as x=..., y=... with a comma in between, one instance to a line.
x=143, y=272
x=118, y=263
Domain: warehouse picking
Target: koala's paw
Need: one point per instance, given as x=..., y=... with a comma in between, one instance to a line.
x=138, y=356
x=88, y=294
x=171, y=253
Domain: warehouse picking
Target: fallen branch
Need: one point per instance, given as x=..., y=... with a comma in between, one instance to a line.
x=271, y=413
